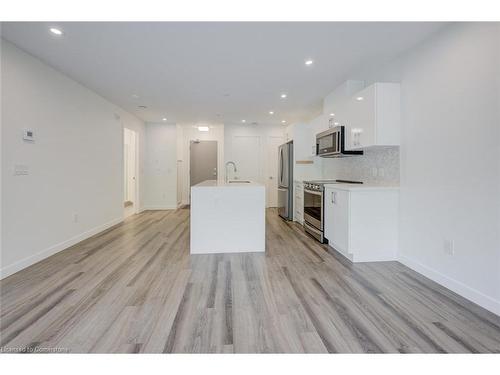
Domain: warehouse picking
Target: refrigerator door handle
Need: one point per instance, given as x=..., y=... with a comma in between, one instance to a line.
x=281, y=166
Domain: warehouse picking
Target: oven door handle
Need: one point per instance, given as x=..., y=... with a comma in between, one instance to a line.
x=313, y=192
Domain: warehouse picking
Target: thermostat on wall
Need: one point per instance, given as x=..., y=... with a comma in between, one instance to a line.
x=28, y=135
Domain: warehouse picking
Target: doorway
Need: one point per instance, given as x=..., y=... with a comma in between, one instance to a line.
x=272, y=170
x=130, y=201
x=202, y=161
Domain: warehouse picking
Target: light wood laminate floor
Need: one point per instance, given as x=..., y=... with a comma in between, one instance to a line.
x=135, y=288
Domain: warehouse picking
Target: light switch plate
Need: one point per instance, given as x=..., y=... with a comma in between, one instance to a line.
x=21, y=170
x=29, y=135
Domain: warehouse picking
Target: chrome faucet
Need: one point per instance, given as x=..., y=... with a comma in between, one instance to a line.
x=234, y=167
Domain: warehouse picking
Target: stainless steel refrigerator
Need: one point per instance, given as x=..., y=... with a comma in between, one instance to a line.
x=285, y=181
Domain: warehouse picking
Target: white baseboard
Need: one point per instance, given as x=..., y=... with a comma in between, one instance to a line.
x=153, y=208
x=456, y=286
x=32, y=259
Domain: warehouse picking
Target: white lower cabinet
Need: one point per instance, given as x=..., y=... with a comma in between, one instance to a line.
x=362, y=224
x=337, y=217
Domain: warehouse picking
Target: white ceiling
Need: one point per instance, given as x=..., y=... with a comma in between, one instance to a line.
x=215, y=72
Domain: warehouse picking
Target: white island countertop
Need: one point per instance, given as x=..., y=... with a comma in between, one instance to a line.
x=228, y=217
x=231, y=183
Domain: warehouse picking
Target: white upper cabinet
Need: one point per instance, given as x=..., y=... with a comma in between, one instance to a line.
x=340, y=114
x=372, y=117
x=304, y=140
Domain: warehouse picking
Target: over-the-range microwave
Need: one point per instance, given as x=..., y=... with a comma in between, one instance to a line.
x=331, y=144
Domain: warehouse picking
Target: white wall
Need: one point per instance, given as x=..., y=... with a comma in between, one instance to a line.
x=75, y=164
x=260, y=131
x=263, y=136
x=160, y=167
x=450, y=158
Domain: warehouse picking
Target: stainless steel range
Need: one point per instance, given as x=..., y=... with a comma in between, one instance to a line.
x=314, y=206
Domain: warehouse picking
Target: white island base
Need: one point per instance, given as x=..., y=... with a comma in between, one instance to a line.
x=228, y=217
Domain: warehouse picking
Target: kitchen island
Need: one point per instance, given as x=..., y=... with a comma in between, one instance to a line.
x=228, y=217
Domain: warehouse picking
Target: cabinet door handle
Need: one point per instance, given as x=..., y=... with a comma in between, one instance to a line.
x=334, y=197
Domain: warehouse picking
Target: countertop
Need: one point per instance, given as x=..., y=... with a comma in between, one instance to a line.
x=362, y=187
x=216, y=183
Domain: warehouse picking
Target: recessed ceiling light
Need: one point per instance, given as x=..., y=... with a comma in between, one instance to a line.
x=203, y=128
x=56, y=31
x=164, y=119
x=335, y=123
x=283, y=121
x=142, y=107
x=271, y=112
x=309, y=62
x=359, y=98
x=283, y=96
x=243, y=121
x=332, y=114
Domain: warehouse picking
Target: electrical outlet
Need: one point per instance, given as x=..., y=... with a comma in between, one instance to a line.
x=449, y=247
x=21, y=170
x=75, y=218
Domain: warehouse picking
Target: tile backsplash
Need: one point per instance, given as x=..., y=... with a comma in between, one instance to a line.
x=378, y=166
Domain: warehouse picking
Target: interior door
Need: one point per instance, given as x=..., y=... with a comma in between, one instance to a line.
x=132, y=167
x=202, y=161
x=179, y=182
x=129, y=162
x=273, y=144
